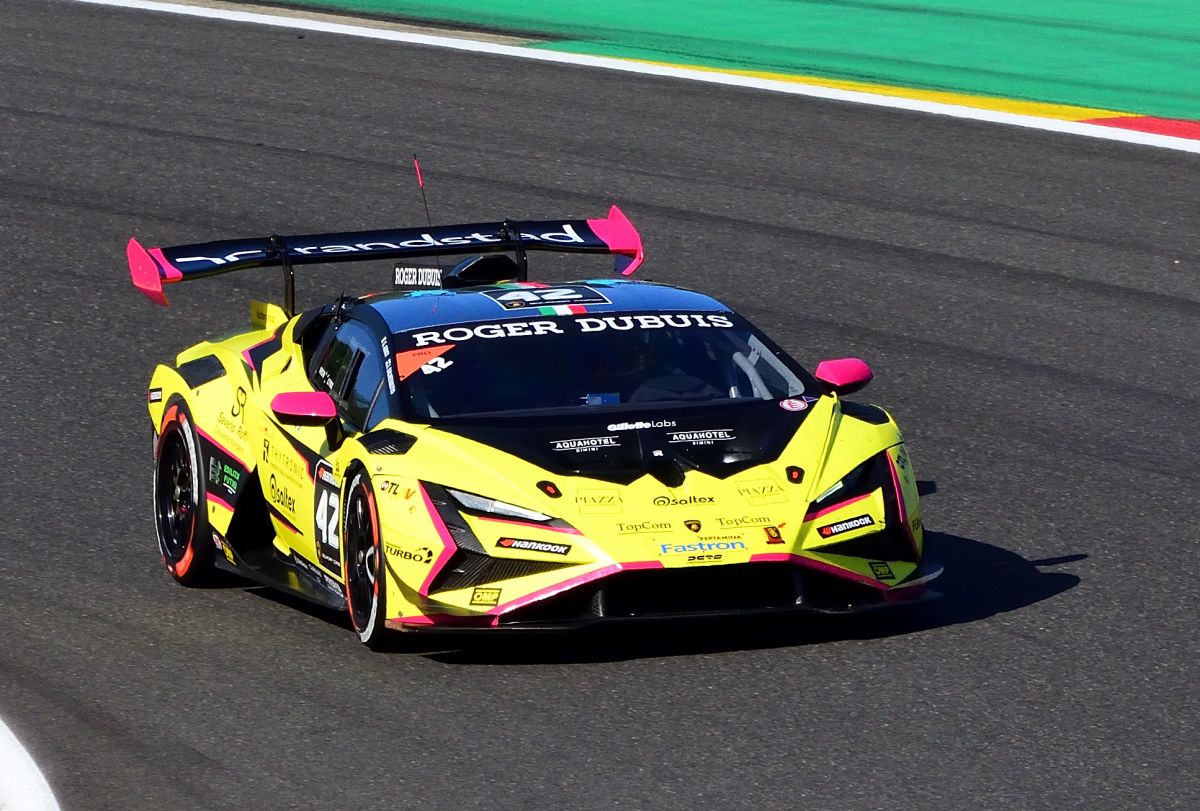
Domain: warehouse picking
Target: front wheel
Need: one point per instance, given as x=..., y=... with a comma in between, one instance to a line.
x=363, y=562
x=179, y=502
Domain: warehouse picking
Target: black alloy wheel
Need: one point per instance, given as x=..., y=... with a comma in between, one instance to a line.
x=179, y=502
x=363, y=562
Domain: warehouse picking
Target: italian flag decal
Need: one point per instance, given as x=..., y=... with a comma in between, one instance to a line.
x=562, y=309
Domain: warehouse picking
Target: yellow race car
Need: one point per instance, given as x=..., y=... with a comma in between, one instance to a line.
x=485, y=452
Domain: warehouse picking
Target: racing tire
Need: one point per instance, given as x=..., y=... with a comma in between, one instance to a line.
x=180, y=501
x=362, y=562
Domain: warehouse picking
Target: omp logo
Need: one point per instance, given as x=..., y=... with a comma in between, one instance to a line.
x=637, y=426
x=668, y=501
x=481, y=596
x=882, y=571
x=830, y=530
x=644, y=526
x=534, y=546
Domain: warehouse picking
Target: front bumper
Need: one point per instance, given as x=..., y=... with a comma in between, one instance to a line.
x=750, y=589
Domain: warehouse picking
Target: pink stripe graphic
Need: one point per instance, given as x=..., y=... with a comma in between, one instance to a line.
x=912, y=541
x=443, y=533
x=220, y=502
x=856, y=499
x=820, y=566
x=220, y=447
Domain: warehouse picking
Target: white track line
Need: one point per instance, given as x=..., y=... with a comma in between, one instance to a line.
x=22, y=787
x=476, y=46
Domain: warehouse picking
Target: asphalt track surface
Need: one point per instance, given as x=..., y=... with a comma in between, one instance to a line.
x=1029, y=303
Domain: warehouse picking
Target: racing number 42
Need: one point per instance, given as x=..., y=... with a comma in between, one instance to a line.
x=327, y=518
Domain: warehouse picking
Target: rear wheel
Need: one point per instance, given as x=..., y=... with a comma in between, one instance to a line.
x=363, y=562
x=179, y=502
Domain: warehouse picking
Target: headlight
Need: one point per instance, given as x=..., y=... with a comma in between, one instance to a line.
x=488, y=505
x=850, y=484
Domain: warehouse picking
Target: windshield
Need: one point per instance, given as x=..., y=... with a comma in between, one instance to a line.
x=569, y=364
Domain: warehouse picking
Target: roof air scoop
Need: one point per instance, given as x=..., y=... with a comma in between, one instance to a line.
x=487, y=269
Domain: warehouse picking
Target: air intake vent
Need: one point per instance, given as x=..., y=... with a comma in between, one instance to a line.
x=201, y=370
x=472, y=569
x=387, y=441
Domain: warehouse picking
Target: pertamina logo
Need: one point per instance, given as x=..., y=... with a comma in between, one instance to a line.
x=831, y=530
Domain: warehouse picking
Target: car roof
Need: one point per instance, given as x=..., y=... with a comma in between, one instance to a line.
x=426, y=308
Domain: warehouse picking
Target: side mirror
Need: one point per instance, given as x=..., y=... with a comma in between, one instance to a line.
x=845, y=375
x=304, y=407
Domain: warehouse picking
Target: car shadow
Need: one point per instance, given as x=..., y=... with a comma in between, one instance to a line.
x=980, y=581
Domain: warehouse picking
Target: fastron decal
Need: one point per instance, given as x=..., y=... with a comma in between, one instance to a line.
x=830, y=530
x=685, y=548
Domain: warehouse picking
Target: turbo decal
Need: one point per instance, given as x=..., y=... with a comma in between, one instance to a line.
x=423, y=555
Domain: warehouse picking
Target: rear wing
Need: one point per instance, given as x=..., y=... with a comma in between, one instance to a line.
x=151, y=268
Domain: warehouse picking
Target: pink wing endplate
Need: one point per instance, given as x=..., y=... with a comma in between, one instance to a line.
x=622, y=239
x=149, y=269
